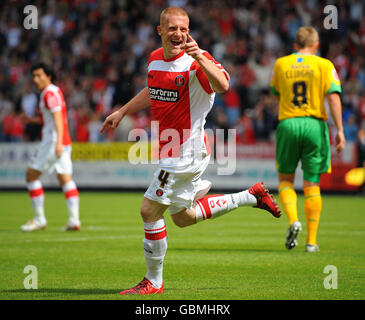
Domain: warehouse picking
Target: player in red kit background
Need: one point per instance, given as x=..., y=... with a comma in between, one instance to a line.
x=182, y=81
x=53, y=153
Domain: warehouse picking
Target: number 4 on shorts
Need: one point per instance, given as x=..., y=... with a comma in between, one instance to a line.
x=163, y=176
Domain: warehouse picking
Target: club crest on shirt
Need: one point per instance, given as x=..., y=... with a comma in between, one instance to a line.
x=159, y=192
x=179, y=80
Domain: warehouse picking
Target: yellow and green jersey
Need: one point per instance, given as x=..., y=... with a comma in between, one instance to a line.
x=302, y=81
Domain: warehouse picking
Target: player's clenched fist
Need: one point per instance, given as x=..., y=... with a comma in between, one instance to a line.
x=340, y=141
x=59, y=150
x=112, y=121
x=191, y=48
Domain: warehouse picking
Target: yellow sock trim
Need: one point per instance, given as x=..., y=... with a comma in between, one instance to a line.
x=285, y=185
x=288, y=199
x=312, y=209
x=312, y=191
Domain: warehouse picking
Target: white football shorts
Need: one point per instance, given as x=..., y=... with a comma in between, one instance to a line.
x=179, y=189
x=45, y=160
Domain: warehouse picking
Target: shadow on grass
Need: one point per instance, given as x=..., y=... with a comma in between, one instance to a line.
x=64, y=291
x=227, y=249
x=56, y=292
x=198, y=289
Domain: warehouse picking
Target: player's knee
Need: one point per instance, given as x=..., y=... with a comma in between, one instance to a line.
x=144, y=211
x=152, y=210
x=31, y=175
x=28, y=177
x=147, y=212
x=64, y=178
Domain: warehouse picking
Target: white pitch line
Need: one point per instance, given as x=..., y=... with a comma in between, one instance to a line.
x=93, y=238
x=102, y=228
x=90, y=239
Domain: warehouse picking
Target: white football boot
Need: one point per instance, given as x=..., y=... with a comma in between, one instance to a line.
x=72, y=226
x=312, y=248
x=33, y=225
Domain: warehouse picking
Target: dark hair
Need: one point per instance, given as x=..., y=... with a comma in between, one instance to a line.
x=47, y=70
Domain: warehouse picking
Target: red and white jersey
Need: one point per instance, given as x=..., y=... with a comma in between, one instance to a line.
x=52, y=100
x=181, y=98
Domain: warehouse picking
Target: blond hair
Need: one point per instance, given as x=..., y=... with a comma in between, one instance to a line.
x=176, y=11
x=306, y=37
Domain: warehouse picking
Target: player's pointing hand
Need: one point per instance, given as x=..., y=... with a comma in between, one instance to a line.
x=191, y=48
x=112, y=121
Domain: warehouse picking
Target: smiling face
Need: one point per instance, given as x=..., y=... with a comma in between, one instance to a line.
x=173, y=30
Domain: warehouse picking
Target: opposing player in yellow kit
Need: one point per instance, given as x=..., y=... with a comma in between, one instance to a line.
x=302, y=81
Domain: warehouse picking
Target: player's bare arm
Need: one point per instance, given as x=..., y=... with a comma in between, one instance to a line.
x=26, y=119
x=215, y=76
x=139, y=102
x=58, y=120
x=336, y=112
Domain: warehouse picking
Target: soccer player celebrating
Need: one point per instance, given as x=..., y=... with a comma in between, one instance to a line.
x=302, y=80
x=182, y=81
x=53, y=153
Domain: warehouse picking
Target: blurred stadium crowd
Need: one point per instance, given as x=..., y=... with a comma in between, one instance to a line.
x=99, y=50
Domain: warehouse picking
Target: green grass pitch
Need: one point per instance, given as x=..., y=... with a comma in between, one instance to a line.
x=236, y=257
